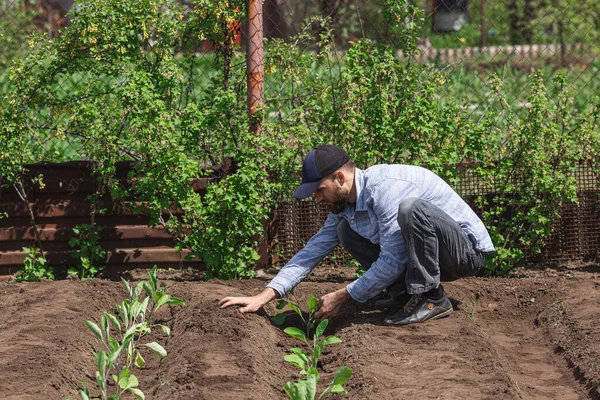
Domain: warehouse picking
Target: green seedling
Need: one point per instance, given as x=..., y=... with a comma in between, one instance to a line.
x=307, y=361
x=120, y=336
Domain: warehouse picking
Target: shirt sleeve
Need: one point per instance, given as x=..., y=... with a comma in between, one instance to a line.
x=321, y=244
x=393, y=254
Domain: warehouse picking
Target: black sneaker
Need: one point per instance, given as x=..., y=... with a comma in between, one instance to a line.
x=393, y=302
x=420, y=309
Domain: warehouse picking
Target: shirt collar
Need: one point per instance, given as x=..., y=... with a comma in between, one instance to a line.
x=361, y=204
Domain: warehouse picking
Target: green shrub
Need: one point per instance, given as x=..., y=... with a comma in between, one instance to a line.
x=130, y=91
x=87, y=251
x=35, y=267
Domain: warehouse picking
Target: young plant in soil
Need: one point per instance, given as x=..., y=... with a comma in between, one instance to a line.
x=121, y=337
x=306, y=389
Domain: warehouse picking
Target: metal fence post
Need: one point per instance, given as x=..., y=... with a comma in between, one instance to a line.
x=255, y=64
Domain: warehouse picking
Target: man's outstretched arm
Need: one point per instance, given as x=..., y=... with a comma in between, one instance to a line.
x=252, y=303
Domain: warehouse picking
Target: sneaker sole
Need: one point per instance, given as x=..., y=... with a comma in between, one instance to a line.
x=445, y=314
x=440, y=316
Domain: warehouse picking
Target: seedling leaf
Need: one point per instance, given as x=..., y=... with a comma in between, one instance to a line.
x=104, y=324
x=295, y=332
x=166, y=330
x=281, y=304
x=94, y=328
x=114, y=355
x=137, y=393
x=342, y=375
x=143, y=307
x=153, y=283
x=157, y=348
x=303, y=389
x=331, y=340
x=338, y=389
x=318, y=350
x=296, y=360
x=313, y=303
x=138, y=290
x=295, y=308
x=175, y=301
x=113, y=344
x=139, y=360
x=131, y=331
x=164, y=299
x=84, y=394
x=298, y=351
x=127, y=380
x=101, y=359
x=279, y=319
x=147, y=288
x=321, y=328
x=100, y=382
x=114, y=321
x=127, y=287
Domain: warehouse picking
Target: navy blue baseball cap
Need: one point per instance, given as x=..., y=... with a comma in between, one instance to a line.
x=321, y=162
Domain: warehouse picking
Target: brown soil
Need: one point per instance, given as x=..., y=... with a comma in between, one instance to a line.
x=536, y=336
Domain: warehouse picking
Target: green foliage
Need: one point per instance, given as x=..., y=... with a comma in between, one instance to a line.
x=523, y=21
x=306, y=389
x=120, y=338
x=15, y=29
x=87, y=251
x=138, y=91
x=35, y=267
x=534, y=175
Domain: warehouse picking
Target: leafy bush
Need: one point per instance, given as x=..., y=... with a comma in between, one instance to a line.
x=87, y=251
x=35, y=267
x=533, y=173
x=137, y=98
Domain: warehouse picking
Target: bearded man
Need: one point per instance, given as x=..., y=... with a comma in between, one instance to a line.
x=404, y=224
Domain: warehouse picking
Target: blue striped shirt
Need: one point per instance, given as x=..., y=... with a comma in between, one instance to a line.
x=380, y=190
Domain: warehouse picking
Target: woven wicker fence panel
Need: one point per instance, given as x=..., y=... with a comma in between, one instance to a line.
x=297, y=222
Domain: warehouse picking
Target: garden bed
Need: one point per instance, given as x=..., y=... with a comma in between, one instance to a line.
x=533, y=336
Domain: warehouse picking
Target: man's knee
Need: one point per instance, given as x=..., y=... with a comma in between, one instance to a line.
x=406, y=209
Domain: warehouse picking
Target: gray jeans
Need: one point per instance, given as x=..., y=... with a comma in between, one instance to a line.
x=438, y=249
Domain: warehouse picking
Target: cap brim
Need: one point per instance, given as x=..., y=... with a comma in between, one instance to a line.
x=305, y=190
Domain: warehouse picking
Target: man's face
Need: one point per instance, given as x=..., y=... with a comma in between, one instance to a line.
x=333, y=193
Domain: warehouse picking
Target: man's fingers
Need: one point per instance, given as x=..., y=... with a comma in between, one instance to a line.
x=246, y=309
x=321, y=314
x=223, y=301
x=229, y=301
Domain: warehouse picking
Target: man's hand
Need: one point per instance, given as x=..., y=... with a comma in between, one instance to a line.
x=331, y=304
x=250, y=304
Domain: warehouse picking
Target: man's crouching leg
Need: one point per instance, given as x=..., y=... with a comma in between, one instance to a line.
x=437, y=248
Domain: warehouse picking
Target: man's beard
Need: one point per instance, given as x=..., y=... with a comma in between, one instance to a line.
x=340, y=204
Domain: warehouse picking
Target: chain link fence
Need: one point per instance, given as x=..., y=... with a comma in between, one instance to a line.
x=468, y=39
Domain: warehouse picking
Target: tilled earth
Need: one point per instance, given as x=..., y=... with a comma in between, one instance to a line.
x=535, y=336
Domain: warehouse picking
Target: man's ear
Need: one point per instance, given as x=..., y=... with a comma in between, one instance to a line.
x=341, y=176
